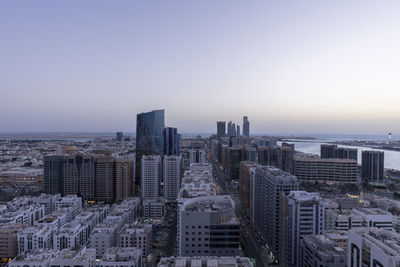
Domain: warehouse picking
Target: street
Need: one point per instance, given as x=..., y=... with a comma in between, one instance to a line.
x=250, y=244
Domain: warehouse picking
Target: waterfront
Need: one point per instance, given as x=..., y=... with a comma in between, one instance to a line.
x=392, y=158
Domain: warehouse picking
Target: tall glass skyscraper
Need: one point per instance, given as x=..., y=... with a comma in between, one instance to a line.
x=149, y=136
x=171, y=141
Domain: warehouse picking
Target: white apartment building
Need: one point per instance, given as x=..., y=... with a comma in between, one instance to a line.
x=205, y=262
x=83, y=257
x=302, y=214
x=137, y=236
x=207, y=226
x=150, y=179
x=121, y=257
x=375, y=217
x=197, y=156
x=34, y=238
x=373, y=247
x=154, y=208
x=41, y=258
x=345, y=219
x=71, y=235
x=24, y=215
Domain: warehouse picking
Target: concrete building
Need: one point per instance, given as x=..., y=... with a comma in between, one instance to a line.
x=244, y=183
x=150, y=178
x=40, y=258
x=104, y=173
x=27, y=215
x=326, y=170
x=83, y=257
x=301, y=214
x=121, y=257
x=104, y=236
x=154, y=208
x=205, y=262
x=71, y=235
x=373, y=247
x=344, y=219
x=197, y=156
x=137, y=236
x=172, y=177
x=35, y=238
x=328, y=151
x=374, y=217
x=252, y=193
x=320, y=250
x=70, y=205
x=269, y=184
x=9, y=239
x=373, y=166
x=208, y=227
x=124, y=178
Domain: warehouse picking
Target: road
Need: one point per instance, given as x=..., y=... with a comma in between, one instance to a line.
x=252, y=247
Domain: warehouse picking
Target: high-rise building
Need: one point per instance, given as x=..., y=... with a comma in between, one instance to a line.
x=246, y=126
x=53, y=172
x=105, y=183
x=124, y=178
x=221, y=129
x=237, y=130
x=207, y=227
x=150, y=176
x=79, y=176
x=286, y=158
x=172, y=176
x=197, y=156
x=301, y=214
x=119, y=136
x=270, y=183
x=235, y=156
x=149, y=137
x=328, y=151
x=326, y=170
x=373, y=166
x=230, y=129
x=244, y=183
x=171, y=141
x=347, y=153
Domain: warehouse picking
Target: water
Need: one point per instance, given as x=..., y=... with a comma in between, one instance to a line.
x=392, y=158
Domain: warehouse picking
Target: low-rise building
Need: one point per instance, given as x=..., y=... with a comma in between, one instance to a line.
x=9, y=239
x=121, y=257
x=83, y=257
x=375, y=217
x=138, y=236
x=154, y=208
x=373, y=247
x=35, y=238
x=41, y=258
x=205, y=262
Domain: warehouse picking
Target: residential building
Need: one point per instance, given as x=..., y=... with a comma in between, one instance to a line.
x=208, y=227
x=246, y=126
x=35, y=238
x=121, y=257
x=172, y=177
x=154, y=208
x=197, y=156
x=9, y=239
x=150, y=181
x=104, y=173
x=373, y=166
x=269, y=184
x=137, y=236
x=41, y=258
x=221, y=129
x=83, y=257
x=205, y=262
x=373, y=247
x=171, y=141
x=124, y=178
x=53, y=174
x=302, y=213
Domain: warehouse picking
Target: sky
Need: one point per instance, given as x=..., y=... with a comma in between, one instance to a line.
x=290, y=66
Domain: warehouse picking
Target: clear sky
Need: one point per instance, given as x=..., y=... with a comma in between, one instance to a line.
x=290, y=66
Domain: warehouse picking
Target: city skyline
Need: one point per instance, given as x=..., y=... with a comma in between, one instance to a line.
x=309, y=67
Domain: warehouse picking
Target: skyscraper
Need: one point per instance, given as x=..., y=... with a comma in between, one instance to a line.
x=237, y=130
x=172, y=176
x=105, y=169
x=171, y=141
x=79, y=176
x=149, y=137
x=221, y=129
x=246, y=126
x=124, y=178
x=120, y=136
x=328, y=151
x=302, y=214
x=52, y=174
x=373, y=166
x=150, y=182
x=270, y=183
